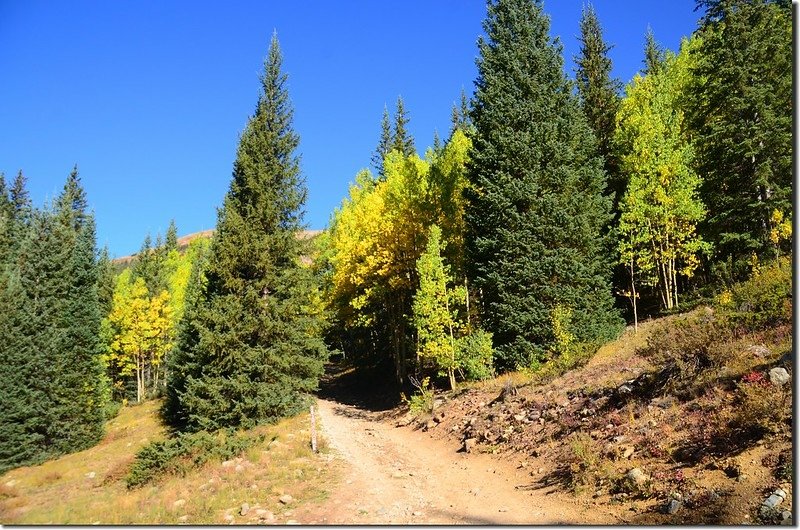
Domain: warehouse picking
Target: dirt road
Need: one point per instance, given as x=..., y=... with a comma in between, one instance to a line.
x=398, y=475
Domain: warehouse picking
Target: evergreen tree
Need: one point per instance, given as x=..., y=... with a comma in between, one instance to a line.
x=105, y=281
x=402, y=140
x=535, y=207
x=741, y=116
x=459, y=116
x=171, y=239
x=653, y=54
x=384, y=144
x=599, y=94
x=252, y=346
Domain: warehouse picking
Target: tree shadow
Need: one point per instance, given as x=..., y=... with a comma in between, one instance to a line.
x=368, y=388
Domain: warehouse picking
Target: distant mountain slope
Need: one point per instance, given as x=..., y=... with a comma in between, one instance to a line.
x=184, y=241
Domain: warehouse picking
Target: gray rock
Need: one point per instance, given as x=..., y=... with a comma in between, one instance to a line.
x=779, y=376
x=469, y=444
x=637, y=477
x=773, y=500
x=786, y=518
x=758, y=350
x=286, y=499
x=244, y=509
x=672, y=506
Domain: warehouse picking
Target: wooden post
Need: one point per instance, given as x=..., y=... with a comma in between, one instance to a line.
x=313, y=429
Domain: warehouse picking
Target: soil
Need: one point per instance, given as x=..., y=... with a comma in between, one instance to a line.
x=393, y=475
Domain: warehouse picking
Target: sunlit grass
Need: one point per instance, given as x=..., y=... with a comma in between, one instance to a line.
x=63, y=491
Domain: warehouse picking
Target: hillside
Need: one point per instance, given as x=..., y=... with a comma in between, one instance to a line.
x=505, y=451
x=183, y=242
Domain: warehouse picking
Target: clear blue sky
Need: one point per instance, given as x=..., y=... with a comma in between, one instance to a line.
x=149, y=97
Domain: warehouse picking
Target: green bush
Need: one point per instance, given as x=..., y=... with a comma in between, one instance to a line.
x=186, y=451
x=762, y=301
x=474, y=356
x=761, y=407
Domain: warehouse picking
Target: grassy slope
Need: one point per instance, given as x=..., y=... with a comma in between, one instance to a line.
x=63, y=491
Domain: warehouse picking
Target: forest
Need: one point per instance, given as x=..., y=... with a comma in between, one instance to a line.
x=559, y=208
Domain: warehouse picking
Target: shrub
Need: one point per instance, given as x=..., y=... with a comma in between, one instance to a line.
x=763, y=301
x=761, y=407
x=474, y=356
x=186, y=451
x=587, y=469
x=422, y=401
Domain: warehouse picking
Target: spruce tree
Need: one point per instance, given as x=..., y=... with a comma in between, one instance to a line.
x=599, y=94
x=536, y=208
x=251, y=347
x=384, y=144
x=402, y=140
x=740, y=112
x=171, y=239
x=653, y=53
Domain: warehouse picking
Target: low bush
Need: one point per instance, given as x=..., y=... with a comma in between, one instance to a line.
x=764, y=300
x=588, y=468
x=186, y=451
x=761, y=407
x=474, y=356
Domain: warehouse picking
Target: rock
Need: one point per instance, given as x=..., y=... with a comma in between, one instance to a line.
x=292, y=522
x=439, y=418
x=773, y=500
x=624, y=390
x=469, y=444
x=91, y=474
x=228, y=463
x=672, y=506
x=229, y=519
x=11, y=483
x=787, y=358
x=758, y=350
x=519, y=417
x=779, y=376
x=430, y=425
x=637, y=477
x=179, y=503
x=286, y=499
x=239, y=468
x=183, y=518
x=627, y=452
x=398, y=474
x=786, y=518
x=244, y=509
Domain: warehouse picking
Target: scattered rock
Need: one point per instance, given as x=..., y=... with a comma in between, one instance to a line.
x=292, y=522
x=779, y=376
x=502, y=510
x=672, y=506
x=239, y=468
x=11, y=483
x=416, y=514
x=627, y=452
x=229, y=463
x=179, y=503
x=786, y=518
x=398, y=474
x=91, y=474
x=637, y=477
x=183, y=518
x=229, y=519
x=758, y=350
x=244, y=509
x=469, y=444
x=286, y=499
x=430, y=425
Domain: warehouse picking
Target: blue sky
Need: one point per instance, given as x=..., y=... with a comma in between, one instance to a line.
x=149, y=97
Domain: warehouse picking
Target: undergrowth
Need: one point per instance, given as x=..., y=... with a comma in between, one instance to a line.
x=184, y=452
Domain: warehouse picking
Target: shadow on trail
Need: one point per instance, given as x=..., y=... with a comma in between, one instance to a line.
x=367, y=388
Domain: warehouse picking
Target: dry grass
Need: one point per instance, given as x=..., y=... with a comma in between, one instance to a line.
x=63, y=491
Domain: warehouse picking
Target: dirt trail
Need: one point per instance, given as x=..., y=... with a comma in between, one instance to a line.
x=396, y=475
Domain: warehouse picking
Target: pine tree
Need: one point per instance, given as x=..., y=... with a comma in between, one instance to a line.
x=741, y=118
x=599, y=94
x=402, y=140
x=653, y=53
x=384, y=144
x=253, y=347
x=535, y=205
x=171, y=239
x=105, y=281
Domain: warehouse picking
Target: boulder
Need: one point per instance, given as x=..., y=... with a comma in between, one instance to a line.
x=244, y=509
x=779, y=376
x=672, y=506
x=469, y=444
x=637, y=477
x=286, y=499
x=758, y=350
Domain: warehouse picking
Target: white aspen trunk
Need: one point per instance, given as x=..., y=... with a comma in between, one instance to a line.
x=633, y=298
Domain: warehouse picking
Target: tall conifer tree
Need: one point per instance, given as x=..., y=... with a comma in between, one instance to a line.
x=253, y=347
x=384, y=144
x=402, y=140
x=599, y=93
x=535, y=207
x=741, y=119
